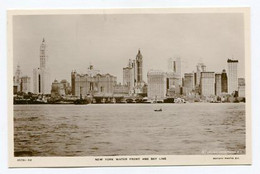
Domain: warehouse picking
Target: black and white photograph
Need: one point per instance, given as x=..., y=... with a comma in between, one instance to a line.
x=129, y=87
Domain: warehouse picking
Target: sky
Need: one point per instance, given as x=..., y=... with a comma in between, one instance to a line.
x=109, y=41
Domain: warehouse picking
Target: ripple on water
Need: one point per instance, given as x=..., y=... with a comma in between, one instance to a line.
x=134, y=129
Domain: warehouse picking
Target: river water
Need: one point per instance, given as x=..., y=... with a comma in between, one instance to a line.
x=129, y=129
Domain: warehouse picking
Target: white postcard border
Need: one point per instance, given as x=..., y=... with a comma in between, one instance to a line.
x=158, y=160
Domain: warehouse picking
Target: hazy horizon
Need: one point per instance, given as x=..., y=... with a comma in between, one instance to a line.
x=109, y=41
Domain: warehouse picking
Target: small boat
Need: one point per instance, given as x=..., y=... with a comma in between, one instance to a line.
x=158, y=110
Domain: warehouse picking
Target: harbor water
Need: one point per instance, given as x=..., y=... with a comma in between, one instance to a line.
x=129, y=129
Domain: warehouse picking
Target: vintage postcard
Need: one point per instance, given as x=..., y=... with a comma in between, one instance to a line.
x=129, y=87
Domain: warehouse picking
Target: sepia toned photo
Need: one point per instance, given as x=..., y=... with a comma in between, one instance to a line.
x=129, y=87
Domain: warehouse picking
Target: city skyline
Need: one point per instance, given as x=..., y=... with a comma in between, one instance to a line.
x=95, y=38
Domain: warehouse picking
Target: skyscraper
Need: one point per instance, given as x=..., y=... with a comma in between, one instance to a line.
x=207, y=84
x=224, y=82
x=232, y=76
x=41, y=78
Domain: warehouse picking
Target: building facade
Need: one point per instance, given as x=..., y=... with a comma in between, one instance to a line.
x=232, y=76
x=120, y=89
x=133, y=75
x=217, y=84
x=57, y=89
x=139, y=67
x=241, y=87
x=207, y=84
x=21, y=83
x=224, y=82
x=174, y=65
x=17, y=78
x=66, y=86
x=200, y=68
x=41, y=76
x=189, y=84
x=173, y=84
x=156, y=85
x=128, y=76
x=25, y=84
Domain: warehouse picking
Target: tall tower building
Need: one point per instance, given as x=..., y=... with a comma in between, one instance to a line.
x=73, y=77
x=232, y=76
x=139, y=67
x=224, y=82
x=41, y=76
x=43, y=56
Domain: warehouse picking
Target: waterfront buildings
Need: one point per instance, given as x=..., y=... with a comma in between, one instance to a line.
x=156, y=85
x=122, y=90
x=188, y=85
x=217, y=84
x=21, y=83
x=66, y=86
x=232, y=76
x=241, y=87
x=25, y=84
x=92, y=83
x=129, y=76
x=207, y=84
x=200, y=68
x=57, y=89
x=224, y=82
x=133, y=75
x=173, y=84
x=17, y=78
x=41, y=76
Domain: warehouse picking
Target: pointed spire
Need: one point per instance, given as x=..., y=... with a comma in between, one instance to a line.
x=139, y=55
